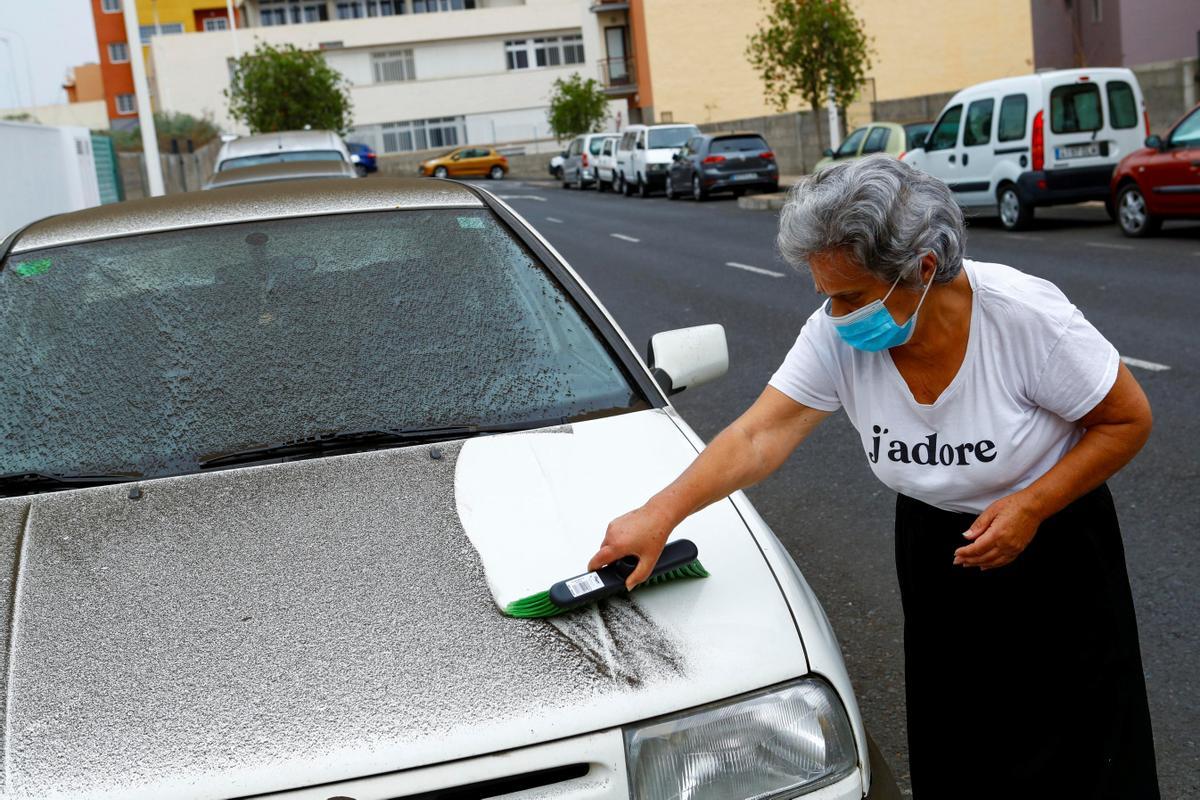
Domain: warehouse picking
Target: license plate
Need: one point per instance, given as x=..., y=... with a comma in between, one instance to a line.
x=1088, y=150
x=746, y=176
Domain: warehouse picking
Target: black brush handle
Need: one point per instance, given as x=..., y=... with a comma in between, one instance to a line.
x=610, y=579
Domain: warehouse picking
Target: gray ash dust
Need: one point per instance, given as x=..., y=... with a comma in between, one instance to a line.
x=289, y=614
x=620, y=642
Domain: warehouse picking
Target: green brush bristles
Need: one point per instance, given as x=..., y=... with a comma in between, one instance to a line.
x=540, y=605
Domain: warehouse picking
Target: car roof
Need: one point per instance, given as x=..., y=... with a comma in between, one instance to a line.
x=285, y=171
x=726, y=134
x=247, y=203
x=1041, y=79
x=280, y=141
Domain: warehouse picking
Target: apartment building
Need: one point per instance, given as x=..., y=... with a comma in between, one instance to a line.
x=1113, y=33
x=422, y=73
x=155, y=18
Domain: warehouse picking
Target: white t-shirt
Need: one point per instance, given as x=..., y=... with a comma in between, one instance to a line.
x=1033, y=367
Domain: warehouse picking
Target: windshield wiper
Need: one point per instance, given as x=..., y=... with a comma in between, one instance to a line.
x=354, y=441
x=17, y=484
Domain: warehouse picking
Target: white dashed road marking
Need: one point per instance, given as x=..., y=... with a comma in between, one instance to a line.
x=1110, y=245
x=623, y=237
x=1150, y=365
x=759, y=270
x=539, y=198
x=553, y=219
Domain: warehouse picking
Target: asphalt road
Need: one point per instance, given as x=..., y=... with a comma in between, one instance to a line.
x=658, y=265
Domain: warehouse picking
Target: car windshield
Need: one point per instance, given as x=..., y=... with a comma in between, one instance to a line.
x=148, y=354
x=738, y=144
x=279, y=157
x=671, y=137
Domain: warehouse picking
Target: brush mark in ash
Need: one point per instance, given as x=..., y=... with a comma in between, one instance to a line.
x=623, y=644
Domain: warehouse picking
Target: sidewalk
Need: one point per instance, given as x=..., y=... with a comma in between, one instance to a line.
x=769, y=202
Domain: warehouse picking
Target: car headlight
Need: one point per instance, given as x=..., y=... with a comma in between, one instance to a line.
x=778, y=743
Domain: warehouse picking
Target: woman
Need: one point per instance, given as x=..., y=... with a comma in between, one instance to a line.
x=997, y=413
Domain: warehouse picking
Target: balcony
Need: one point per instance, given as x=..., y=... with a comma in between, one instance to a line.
x=608, y=5
x=618, y=76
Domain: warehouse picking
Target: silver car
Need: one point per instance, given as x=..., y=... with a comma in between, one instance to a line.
x=579, y=163
x=286, y=171
x=276, y=457
x=273, y=148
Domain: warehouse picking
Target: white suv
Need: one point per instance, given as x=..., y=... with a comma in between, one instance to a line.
x=1013, y=144
x=644, y=156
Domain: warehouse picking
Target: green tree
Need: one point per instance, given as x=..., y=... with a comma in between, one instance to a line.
x=284, y=89
x=804, y=47
x=576, y=106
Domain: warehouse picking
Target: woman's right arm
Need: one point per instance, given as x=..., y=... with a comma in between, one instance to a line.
x=751, y=448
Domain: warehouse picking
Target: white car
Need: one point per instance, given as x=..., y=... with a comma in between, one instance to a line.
x=1010, y=145
x=606, y=165
x=644, y=155
x=275, y=463
x=274, y=148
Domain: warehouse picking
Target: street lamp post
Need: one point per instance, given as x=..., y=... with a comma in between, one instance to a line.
x=141, y=90
x=6, y=36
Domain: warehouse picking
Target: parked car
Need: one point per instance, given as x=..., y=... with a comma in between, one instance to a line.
x=878, y=137
x=1160, y=181
x=363, y=157
x=1008, y=146
x=644, y=154
x=555, y=165
x=722, y=162
x=255, y=558
x=274, y=148
x=474, y=161
x=286, y=171
x=606, y=165
x=579, y=164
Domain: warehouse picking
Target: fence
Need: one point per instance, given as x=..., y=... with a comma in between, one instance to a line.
x=182, y=171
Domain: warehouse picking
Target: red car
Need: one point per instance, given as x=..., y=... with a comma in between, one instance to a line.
x=1160, y=181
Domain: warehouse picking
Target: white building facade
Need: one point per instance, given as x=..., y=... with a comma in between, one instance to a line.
x=423, y=73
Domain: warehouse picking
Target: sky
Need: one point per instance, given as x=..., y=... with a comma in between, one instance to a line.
x=41, y=39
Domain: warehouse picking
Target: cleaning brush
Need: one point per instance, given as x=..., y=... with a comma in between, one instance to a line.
x=679, y=559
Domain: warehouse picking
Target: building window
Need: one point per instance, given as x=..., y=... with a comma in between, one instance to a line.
x=110, y=6
x=393, y=65
x=1097, y=10
x=118, y=53
x=285, y=12
x=216, y=24
x=357, y=9
x=420, y=134
x=666, y=116
x=126, y=104
x=146, y=31
x=544, y=51
x=420, y=6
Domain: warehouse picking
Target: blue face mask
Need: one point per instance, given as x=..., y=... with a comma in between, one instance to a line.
x=872, y=328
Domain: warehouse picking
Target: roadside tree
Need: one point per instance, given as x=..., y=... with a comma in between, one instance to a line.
x=576, y=106
x=285, y=88
x=806, y=48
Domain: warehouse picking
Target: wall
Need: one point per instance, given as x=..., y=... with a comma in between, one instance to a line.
x=1159, y=30
x=1169, y=88
x=183, y=172
x=700, y=72
x=47, y=170
x=529, y=165
x=92, y=114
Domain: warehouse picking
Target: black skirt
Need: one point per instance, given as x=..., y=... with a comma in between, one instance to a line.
x=1024, y=681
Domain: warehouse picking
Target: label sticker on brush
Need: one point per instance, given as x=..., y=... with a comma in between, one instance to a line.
x=584, y=584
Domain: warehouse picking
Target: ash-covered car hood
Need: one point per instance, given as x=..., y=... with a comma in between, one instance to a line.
x=266, y=628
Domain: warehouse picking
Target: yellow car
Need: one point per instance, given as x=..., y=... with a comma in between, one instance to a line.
x=466, y=162
x=878, y=137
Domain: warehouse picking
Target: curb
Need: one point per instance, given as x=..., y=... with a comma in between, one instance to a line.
x=763, y=202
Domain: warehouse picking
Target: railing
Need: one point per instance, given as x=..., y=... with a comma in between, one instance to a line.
x=618, y=73
x=609, y=5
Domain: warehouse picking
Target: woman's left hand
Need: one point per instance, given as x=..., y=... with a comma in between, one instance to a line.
x=1000, y=533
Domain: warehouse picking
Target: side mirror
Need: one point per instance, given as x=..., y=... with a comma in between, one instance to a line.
x=688, y=357
x=676, y=156
x=827, y=152
x=563, y=154
x=1155, y=141
x=641, y=145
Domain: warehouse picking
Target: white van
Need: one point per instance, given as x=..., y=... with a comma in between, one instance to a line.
x=1010, y=145
x=644, y=155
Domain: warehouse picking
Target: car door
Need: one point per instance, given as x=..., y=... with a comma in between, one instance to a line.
x=853, y=144
x=877, y=140
x=973, y=186
x=1176, y=182
x=941, y=146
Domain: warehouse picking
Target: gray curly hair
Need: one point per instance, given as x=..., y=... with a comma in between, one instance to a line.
x=886, y=214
